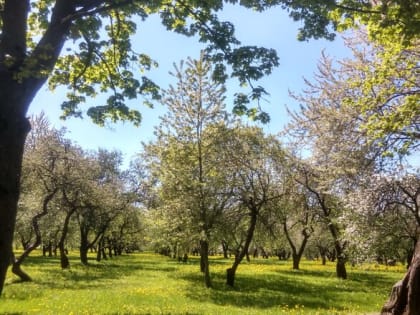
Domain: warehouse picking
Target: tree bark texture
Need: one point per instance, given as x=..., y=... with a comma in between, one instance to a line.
x=405, y=295
x=204, y=262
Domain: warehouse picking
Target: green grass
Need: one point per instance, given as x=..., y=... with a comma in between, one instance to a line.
x=152, y=284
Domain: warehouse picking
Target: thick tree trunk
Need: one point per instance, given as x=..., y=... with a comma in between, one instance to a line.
x=13, y=131
x=84, y=246
x=405, y=295
x=230, y=275
x=83, y=253
x=204, y=262
x=341, y=261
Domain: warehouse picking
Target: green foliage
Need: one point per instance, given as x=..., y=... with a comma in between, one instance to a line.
x=147, y=283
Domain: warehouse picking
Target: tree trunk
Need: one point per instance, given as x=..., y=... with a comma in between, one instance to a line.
x=296, y=254
x=231, y=272
x=230, y=275
x=17, y=270
x=341, y=268
x=16, y=267
x=84, y=246
x=405, y=295
x=83, y=253
x=64, y=261
x=204, y=262
x=225, y=248
x=341, y=261
x=13, y=131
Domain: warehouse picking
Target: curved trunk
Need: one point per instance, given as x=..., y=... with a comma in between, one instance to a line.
x=64, y=260
x=405, y=295
x=16, y=266
x=296, y=254
x=231, y=272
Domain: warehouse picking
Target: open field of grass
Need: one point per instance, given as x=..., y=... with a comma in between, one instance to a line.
x=151, y=284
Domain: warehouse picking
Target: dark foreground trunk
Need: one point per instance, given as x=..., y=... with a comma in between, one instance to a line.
x=13, y=131
x=204, y=262
x=405, y=295
x=341, y=261
x=341, y=268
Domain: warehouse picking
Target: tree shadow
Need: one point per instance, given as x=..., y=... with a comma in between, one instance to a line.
x=287, y=287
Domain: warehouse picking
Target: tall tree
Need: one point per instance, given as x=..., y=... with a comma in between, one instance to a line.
x=186, y=146
x=250, y=158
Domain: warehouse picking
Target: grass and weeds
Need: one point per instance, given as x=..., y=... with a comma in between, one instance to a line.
x=151, y=284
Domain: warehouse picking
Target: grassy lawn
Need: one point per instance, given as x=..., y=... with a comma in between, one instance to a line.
x=151, y=284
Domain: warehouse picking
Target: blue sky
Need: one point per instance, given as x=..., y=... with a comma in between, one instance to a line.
x=271, y=29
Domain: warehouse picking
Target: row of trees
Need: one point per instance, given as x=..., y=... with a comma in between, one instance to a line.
x=70, y=197
x=210, y=181
x=218, y=181
x=34, y=32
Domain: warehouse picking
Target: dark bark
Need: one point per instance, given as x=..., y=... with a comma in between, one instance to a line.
x=231, y=272
x=296, y=253
x=204, y=262
x=333, y=228
x=84, y=248
x=323, y=251
x=64, y=261
x=17, y=270
x=341, y=271
x=405, y=295
x=225, y=248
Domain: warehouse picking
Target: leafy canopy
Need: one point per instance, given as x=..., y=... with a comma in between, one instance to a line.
x=101, y=58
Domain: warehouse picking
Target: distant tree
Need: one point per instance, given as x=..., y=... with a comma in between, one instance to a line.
x=249, y=159
x=296, y=218
x=329, y=207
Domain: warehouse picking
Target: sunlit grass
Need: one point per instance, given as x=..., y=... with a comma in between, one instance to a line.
x=151, y=284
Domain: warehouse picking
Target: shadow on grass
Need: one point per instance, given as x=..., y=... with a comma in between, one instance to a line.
x=46, y=271
x=311, y=289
